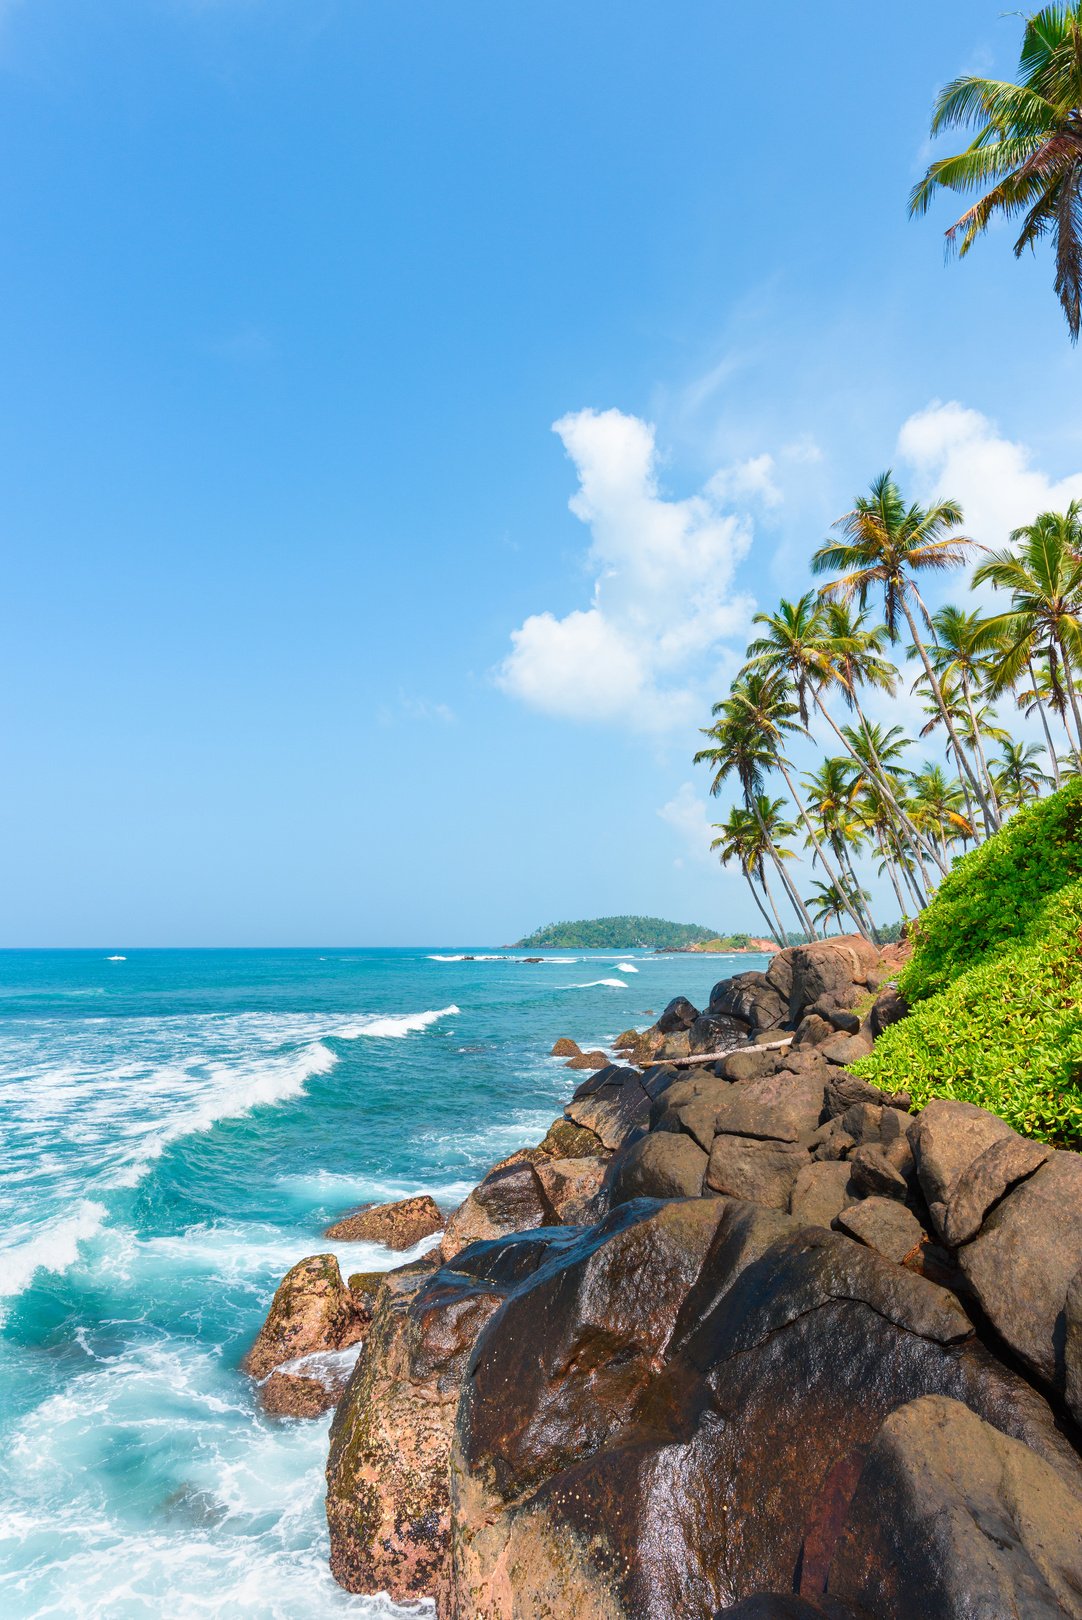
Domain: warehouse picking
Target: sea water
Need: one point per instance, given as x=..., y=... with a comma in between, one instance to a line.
x=177, y=1128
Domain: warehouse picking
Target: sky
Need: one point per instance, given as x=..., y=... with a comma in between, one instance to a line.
x=406, y=405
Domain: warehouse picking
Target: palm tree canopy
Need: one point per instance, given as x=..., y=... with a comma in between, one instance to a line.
x=1042, y=571
x=886, y=541
x=1025, y=158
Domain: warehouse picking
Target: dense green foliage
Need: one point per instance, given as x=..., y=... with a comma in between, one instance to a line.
x=617, y=934
x=993, y=895
x=1006, y=1033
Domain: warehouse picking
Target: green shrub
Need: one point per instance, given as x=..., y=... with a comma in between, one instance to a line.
x=991, y=897
x=1006, y=1033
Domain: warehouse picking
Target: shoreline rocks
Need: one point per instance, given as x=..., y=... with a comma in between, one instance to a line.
x=396, y=1226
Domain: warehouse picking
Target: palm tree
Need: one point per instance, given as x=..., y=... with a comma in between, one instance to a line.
x=1041, y=695
x=800, y=649
x=938, y=805
x=835, y=807
x=960, y=658
x=741, y=839
x=1044, y=577
x=885, y=544
x=1026, y=155
x=738, y=748
x=831, y=902
x=1019, y=777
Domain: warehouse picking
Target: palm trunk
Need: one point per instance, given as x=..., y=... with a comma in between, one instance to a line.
x=889, y=864
x=813, y=835
x=787, y=885
x=990, y=786
x=937, y=691
x=1044, y=724
x=772, y=928
x=1068, y=681
x=780, y=935
x=879, y=780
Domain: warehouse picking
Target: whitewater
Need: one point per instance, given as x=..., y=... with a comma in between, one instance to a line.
x=178, y=1128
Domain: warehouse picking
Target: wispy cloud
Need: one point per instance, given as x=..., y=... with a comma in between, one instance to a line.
x=417, y=709
x=687, y=816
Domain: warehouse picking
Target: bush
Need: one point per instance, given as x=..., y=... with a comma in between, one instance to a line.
x=1006, y=1033
x=992, y=897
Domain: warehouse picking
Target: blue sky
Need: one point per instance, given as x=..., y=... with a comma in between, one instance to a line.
x=302, y=641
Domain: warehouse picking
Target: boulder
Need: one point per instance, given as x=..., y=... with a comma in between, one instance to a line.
x=829, y=968
x=779, y=975
x=813, y=1031
x=820, y=1192
x=571, y=1187
x=387, y=1498
x=752, y=999
x=588, y=1060
x=510, y=1199
x=780, y=1107
x=843, y=1090
x=692, y=1106
x=845, y=1049
x=760, y=1171
x=749, y=1064
x=835, y=1011
x=715, y=1033
x=1023, y=1262
x=396, y=1226
x=612, y=1103
x=889, y=1007
x=953, y=1519
x=665, y=1164
x=676, y=1045
x=312, y=1310
x=873, y=1175
x=678, y=1015
x=1072, y=1348
x=984, y=1182
x=946, y=1139
x=788, y=1606
x=566, y=1047
x=884, y=1225
x=566, y=1140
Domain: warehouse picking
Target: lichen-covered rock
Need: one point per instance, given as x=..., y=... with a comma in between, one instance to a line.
x=566, y=1047
x=397, y=1226
x=312, y=1310
x=572, y=1187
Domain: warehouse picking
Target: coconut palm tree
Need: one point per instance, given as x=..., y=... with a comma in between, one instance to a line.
x=834, y=805
x=1025, y=158
x=742, y=839
x=831, y=903
x=885, y=545
x=939, y=806
x=1019, y=776
x=799, y=648
x=1043, y=574
x=961, y=659
x=1044, y=694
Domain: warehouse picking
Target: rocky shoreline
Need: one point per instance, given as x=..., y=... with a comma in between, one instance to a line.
x=742, y=1335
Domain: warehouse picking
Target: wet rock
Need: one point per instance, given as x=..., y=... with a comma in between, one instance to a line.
x=711, y=1033
x=612, y=1103
x=1023, y=1261
x=571, y=1187
x=752, y=999
x=763, y=1172
x=678, y=1015
x=953, y=1519
x=397, y=1226
x=884, y=1225
x=509, y=1199
x=820, y=1192
x=787, y=1606
x=566, y=1140
x=889, y=1007
x=784, y=1107
x=665, y=1164
x=292, y=1395
x=948, y=1136
x=566, y=1047
x=312, y=1310
x=588, y=1060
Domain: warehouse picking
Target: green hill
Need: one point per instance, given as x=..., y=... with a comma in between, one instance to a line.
x=616, y=934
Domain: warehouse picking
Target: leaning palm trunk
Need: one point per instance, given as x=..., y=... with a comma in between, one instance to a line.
x=1068, y=681
x=880, y=781
x=1049, y=744
x=937, y=691
x=832, y=876
x=989, y=785
x=889, y=864
x=779, y=927
x=787, y=885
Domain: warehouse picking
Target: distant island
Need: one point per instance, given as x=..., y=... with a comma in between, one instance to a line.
x=632, y=933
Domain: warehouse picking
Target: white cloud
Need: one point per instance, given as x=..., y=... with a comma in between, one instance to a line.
x=961, y=453
x=686, y=814
x=663, y=592
x=748, y=480
x=410, y=707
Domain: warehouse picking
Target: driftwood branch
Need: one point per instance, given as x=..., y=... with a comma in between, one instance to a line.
x=716, y=1057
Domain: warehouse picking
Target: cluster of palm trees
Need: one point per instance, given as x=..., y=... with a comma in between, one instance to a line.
x=817, y=661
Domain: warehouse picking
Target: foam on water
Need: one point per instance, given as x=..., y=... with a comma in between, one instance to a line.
x=594, y=984
x=626, y=967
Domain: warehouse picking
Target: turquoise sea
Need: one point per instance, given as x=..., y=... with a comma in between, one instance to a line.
x=177, y=1129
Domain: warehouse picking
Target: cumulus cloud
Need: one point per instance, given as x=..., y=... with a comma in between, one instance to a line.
x=959, y=452
x=663, y=595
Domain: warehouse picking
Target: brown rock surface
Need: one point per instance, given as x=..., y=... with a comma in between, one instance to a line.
x=510, y=1199
x=763, y=1172
x=983, y=1183
x=571, y=1187
x=566, y=1047
x=885, y=1225
x=588, y=1060
x=397, y=1226
x=612, y=1103
x=312, y=1310
x=665, y=1164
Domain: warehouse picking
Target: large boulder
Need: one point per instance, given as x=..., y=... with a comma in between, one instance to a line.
x=829, y=968
x=947, y=1137
x=761, y=1171
x=713, y=1032
x=1024, y=1260
x=312, y=1316
x=679, y=1015
x=665, y=1164
x=397, y=1226
x=387, y=1500
x=651, y=1439
x=783, y=1107
x=511, y=1198
x=612, y=1103
x=572, y=1187
x=752, y=999
x=953, y=1519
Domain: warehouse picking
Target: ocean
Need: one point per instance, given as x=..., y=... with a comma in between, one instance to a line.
x=177, y=1129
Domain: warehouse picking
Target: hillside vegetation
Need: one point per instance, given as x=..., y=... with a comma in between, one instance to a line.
x=995, y=980
x=617, y=934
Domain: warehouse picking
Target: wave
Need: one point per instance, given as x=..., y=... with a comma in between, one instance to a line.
x=594, y=984
x=330, y=1368
x=626, y=967
x=391, y=1025
x=54, y=1248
